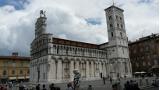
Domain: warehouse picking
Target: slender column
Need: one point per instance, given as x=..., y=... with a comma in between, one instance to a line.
x=121, y=69
x=107, y=71
x=59, y=70
x=81, y=68
x=97, y=72
x=54, y=69
x=71, y=70
x=51, y=74
x=92, y=69
x=77, y=65
x=87, y=69
x=129, y=67
x=104, y=69
x=100, y=67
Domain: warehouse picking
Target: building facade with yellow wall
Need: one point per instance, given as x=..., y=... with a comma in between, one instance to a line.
x=14, y=68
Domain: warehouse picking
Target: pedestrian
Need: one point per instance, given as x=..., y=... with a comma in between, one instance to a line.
x=58, y=88
x=114, y=87
x=38, y=87
x=69, y=86
x=44, y=87
x=52, y=87
x=104, y=82
x=119, y=86
x=127, y=86
x=89, y=87
x=1, y=87
x=21, y=86
x=136, y=87
x=5, y=87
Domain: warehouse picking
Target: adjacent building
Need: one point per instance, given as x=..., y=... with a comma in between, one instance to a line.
x=144, y=54
x=14, y=68
x=54, y=59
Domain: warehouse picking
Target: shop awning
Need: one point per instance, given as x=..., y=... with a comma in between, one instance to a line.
x=12, y=78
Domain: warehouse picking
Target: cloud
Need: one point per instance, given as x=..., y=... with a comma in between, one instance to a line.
x=81, y=20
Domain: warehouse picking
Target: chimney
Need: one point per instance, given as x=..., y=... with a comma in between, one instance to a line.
x=15, y=54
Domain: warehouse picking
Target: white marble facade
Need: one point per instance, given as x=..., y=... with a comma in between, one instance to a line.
x=54, y=59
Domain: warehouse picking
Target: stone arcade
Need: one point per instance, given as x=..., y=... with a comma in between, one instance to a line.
x=54, y=59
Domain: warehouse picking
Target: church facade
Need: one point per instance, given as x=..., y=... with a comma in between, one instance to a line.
x=54, y=59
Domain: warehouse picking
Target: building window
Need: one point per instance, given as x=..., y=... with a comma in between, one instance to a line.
x=13, y=63
x=120, y=18
x=137, y=65
x=144, y=63
x=121, y=34
x=155, y=62
x=28, y=72
x=112, y=34
x=118, y=25
x=147, y=48
x=121, y=26
x=21, y=72
x=13, y=72
x=22, y=64
x=111, y=25
x=149, y=63
x=4, y=72
x=116, y=17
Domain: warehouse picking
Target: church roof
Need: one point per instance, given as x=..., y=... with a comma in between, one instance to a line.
x=74, y=43
x=114, y=7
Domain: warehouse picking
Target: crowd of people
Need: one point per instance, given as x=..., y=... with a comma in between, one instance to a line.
x=3, y=87
x=52, y=87
x=131, y=85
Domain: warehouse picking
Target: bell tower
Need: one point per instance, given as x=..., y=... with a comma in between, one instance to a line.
x=118, y=42
x=40, y=25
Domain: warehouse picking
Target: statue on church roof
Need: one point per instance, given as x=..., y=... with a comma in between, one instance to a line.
x=42, y=13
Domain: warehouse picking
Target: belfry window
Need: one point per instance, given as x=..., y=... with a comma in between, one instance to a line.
x=121, y=34
x=121, y=26
x=118, y=25
x=111, y=25
x=120, y=18
x=112, y=34
x=116, y=17
x=110, y=17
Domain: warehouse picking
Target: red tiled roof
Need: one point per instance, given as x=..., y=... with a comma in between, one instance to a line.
x=74, y=43
x=15, y=58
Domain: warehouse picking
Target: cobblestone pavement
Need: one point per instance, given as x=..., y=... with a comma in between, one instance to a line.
x=98, y=85
x=153, y=88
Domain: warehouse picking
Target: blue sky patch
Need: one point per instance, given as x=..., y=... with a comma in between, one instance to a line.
x=93, y=21
x=18, y=4
x=144, y=1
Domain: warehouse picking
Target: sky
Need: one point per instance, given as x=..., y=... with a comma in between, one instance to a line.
x=80, y=20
